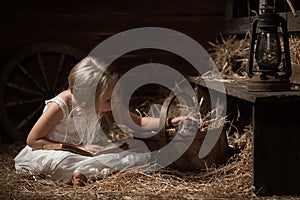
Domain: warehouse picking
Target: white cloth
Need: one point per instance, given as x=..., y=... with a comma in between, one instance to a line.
x=61, y=165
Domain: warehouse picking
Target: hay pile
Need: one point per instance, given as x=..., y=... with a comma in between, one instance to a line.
x=233, y=180
x=231, y=55
x=295, y=49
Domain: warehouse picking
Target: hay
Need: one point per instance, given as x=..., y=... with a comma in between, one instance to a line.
x=231, y=55
x=295, y=49
x=233, y=180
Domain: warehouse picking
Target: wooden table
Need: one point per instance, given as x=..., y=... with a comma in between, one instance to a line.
x=276, y=132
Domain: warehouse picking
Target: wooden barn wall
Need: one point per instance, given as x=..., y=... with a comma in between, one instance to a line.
x=84, y=24
x=238, y=16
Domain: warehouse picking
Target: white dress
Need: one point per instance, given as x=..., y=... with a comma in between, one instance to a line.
x=61, y=165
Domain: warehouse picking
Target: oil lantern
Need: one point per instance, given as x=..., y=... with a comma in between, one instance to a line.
x=269, y=65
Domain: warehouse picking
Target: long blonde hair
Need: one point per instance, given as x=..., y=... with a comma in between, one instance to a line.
x=88, y=81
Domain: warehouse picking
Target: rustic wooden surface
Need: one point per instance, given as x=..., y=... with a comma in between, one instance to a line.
x=243, y=25
x=238, y=21
x=85, y=25
x=275, y=122
x=238, y=90
x=276, y=147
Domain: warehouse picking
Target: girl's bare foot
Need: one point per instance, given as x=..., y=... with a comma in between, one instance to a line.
x=79, y=180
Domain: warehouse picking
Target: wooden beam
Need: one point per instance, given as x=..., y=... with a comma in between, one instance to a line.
x=243, y=25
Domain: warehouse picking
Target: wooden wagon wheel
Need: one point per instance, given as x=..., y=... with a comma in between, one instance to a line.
x=33, y=75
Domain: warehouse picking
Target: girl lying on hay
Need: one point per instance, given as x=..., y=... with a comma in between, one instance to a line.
x=70, y=114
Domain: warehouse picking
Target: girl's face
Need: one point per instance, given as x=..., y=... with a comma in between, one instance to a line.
x=106, y=100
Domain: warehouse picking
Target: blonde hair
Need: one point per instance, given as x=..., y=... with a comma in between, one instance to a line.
x=88, y=81
x=91, y=72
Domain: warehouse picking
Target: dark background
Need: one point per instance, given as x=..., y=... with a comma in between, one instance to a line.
x=82, y=25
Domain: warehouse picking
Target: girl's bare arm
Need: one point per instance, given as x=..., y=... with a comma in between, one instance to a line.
x=153, y=123
x=146, y=123
x=45, y=124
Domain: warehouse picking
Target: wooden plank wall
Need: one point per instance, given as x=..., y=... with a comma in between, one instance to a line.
x=84, y=24
x=238, y=21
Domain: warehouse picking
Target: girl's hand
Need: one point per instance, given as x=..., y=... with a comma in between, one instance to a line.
x=94, y=149
x=174, y=122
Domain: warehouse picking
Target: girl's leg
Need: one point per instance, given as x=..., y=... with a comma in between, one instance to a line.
x=76, y=169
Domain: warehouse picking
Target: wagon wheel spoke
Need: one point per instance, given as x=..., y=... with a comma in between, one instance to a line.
x=33, y=75
x=58, y=74
x=23, y=89
x=22, y=103
x=43, y=70
x=30, y=77
x=29, y=117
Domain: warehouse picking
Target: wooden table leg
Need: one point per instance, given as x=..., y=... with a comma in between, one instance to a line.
x=276, y=169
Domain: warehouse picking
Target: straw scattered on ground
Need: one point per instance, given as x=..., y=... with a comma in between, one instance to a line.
x=232, y=180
